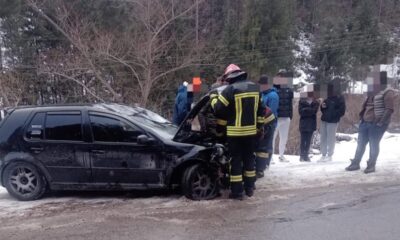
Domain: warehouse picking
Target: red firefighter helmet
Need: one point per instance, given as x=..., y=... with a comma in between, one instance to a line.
x=232, y=72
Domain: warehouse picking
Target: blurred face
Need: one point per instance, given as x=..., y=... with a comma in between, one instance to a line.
x=373, y=84
x=283, y=82
x=264, y=87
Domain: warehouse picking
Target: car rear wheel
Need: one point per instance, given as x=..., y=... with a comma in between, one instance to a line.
x=199, y=184
x=23, y=181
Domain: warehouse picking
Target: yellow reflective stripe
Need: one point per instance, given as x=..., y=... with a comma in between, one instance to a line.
x=249, y=173
x=213, y=95
x=260, y=120
x=223, y=100
x=236, y=178
x=240, y=112
x=256, y=106
x=262, y=154
x=237, y=120
x=241, y=133
x=248, y=94
x=270, y=118
x=213, y=102
x=234, y=128
x=222, y=122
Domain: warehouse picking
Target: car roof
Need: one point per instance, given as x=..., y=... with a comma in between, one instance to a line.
x=104, y=107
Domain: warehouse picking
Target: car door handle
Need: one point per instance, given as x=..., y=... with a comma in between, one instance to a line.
x=98, y=152
x=36, y=149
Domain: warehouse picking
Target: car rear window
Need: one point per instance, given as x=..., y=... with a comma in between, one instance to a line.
x=62, y=126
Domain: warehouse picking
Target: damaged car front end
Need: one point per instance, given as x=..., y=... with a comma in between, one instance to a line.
x=107, y=147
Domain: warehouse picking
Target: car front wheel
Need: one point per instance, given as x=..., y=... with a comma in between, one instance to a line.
x=199, y=184
x=23, y=181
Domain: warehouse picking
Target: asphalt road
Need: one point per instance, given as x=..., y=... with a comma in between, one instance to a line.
x=361, y=211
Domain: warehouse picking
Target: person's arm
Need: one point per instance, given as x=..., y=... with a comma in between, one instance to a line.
x=273, y=103
x=314, y=106
x=361, y=114
x=306, y=110
x=220, y=104
x=260, y=113
x=342, y=107
x=388, y=100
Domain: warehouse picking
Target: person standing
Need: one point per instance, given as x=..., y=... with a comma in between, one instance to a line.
x=181, y=105
x=332, y=108
x=375, y=117
x=285, y=110
x=308, y=108
x=239, y=104
x=264, y=151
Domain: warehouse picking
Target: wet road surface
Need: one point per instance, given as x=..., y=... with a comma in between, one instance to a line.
x=353, y=211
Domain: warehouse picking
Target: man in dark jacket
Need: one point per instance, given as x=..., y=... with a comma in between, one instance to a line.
x=332, y=108
x=181, y=105
x=375, y=118
x=282, y=82
x=308, y=108
x=264, y=151
x=239, y=104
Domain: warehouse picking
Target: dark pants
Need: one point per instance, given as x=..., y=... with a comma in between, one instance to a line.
x=305, y=143
x=242, y=163
x=264, y=149
x=372, y=134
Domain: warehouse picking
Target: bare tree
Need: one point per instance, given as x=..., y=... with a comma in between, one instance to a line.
x=145, y=54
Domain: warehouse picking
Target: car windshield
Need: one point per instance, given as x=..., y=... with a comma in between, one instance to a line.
x=149, y=119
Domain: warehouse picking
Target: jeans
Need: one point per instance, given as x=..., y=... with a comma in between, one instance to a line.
x=265, y=149
x=283, y=129
x=328, y=138
x=305, y=143
x=369, y=133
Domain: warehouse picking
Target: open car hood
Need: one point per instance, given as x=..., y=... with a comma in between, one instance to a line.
x=186, y=127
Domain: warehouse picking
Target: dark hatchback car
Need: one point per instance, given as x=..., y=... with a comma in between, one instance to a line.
x=105, y=147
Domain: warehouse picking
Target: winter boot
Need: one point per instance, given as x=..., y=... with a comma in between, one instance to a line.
x=236, y=196
x=369, y=169
x=249, y=192
x=260, y=174
x=353, y=167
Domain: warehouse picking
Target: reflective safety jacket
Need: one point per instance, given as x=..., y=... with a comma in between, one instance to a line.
x=240, y=108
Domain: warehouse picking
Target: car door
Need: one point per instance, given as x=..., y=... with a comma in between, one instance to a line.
x=117, y=157
x=56, y=140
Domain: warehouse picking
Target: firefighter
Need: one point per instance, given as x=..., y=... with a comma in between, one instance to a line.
x=211, y=126
x=264, y=146
x=239, y=105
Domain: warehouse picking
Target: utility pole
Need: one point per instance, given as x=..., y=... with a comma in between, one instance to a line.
x=197, y=27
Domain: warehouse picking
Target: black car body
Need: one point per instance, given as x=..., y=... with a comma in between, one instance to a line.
x=105, y=147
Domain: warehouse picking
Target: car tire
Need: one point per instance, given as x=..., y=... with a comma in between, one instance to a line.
x=198, y=184
x=24, y=181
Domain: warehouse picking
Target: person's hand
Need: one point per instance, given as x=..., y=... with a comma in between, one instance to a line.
x=323, y=105
x=260, y=133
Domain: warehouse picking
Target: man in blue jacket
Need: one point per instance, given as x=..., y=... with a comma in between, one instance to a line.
x=264, y=152
x=181, y=105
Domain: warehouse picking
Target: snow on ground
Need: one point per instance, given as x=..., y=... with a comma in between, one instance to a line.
x=280, y=177
x=297, y=174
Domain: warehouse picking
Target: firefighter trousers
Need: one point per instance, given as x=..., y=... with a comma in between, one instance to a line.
x=242, y=163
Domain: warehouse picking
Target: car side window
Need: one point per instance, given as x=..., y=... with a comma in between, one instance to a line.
x=62, y=126
x=36, y=127
x=107, y=129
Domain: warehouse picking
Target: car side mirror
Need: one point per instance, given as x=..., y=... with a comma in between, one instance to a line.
x=145, y=140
